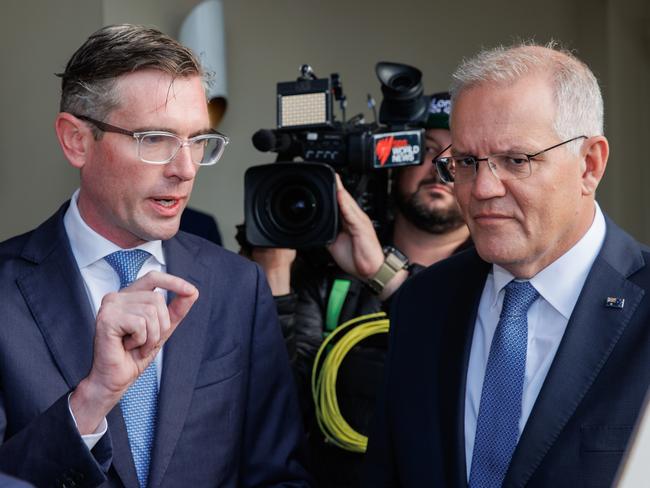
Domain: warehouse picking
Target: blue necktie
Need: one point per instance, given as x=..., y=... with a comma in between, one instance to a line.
x=497, y=426
x=140, y=402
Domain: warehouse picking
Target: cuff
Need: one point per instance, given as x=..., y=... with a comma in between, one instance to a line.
x=90, y=439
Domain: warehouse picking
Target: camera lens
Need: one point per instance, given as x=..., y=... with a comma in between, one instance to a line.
x=293, y=208
x=291, y=204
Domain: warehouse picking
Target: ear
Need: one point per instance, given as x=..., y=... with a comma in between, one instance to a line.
x=74, y=137
x=594, y=163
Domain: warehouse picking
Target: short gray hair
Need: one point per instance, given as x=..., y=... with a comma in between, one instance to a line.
x=578, y=100
x=89, y=80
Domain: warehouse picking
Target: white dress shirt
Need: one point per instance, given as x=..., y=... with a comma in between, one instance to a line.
x=559, y=286
x=89, y=249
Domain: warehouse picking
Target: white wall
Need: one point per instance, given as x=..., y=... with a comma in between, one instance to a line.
x=266, y=42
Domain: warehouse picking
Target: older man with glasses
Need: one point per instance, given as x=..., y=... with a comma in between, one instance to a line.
x=134, y=356
x=538, y=339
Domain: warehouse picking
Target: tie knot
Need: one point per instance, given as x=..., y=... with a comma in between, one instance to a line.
x=127, y=264
x=520, y=295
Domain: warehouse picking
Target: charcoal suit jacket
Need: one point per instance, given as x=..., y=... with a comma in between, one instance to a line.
x=582, y=419
x=227, y=410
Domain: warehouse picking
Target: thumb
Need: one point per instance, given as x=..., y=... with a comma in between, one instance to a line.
x=180, y=306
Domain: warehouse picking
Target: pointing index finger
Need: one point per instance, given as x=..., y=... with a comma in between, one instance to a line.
x=165, y=281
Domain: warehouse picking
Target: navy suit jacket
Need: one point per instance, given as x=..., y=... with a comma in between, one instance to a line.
x=200, y=224
x=582, y=419
x=11, y=482
x=227, y=411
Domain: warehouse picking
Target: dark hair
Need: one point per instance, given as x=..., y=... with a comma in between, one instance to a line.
x=88, y=82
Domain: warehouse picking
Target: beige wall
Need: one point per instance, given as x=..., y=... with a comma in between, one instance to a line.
x=36, y=38
x=267, y=41
x=625, y=193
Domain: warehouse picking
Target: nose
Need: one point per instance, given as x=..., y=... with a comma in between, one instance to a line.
x=486, y=184
x=182, y=166
x=433, y=174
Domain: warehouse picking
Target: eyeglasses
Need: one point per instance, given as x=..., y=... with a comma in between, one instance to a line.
x=437, y=156
x=509, y=166
x=160, y=147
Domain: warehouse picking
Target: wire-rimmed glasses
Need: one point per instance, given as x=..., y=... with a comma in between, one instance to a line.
x=506, y=166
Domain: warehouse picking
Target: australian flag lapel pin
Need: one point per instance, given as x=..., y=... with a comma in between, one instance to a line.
x=614, y=302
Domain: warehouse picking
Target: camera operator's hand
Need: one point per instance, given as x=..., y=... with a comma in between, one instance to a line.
x=356, y=249
x=276, y=263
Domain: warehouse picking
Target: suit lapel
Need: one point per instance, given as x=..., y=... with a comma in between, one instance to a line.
x=54, y=292
x=591, y=335
x=122, y=458
x=456, y=344
x=57, y=298
x=182, y=357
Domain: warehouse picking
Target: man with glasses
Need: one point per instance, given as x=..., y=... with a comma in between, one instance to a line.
x=537, y=342
x=132, y=355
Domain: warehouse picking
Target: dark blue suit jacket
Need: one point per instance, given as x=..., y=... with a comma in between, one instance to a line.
x=228, y=414
x=200, y=224
x=11, y=482
x=582, y=419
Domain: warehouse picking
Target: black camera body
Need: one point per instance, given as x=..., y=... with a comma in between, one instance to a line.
x=359, y=147
x=293, y=204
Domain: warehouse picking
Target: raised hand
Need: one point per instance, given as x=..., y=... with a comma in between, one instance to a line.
x=131, y=327
x=356, y=249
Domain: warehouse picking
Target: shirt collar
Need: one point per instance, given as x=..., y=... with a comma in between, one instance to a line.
x=561, y=282
x=89, y=247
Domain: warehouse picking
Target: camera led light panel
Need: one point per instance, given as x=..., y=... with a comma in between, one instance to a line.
x=303, y=109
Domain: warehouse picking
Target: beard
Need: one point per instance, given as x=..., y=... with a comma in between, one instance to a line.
x=433, y=221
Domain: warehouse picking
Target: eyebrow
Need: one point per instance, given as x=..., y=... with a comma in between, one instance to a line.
x=511, y=150
x=456, y=152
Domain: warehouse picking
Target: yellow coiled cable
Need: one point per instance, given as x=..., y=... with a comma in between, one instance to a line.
x=323, y=378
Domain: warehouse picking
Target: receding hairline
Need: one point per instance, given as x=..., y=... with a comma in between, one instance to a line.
x=534, y=60
x=578, y=99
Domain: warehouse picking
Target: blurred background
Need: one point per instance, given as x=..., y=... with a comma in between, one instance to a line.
x=266, y=42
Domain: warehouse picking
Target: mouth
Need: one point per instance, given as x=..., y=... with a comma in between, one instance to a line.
x=167, y=205
x=435, y=186
x=166, y=202
x=490, y=218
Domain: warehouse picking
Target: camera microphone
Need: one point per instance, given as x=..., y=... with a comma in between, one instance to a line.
x=266, y=140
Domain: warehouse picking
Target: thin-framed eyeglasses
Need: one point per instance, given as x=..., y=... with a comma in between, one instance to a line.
x=440, y=153
x=161, y=147
x=506, y=166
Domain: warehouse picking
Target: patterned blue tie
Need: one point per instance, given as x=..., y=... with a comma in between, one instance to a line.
x=497, y=426
x=140, y=402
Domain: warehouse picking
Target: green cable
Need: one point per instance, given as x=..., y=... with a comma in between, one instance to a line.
x=335, y=302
